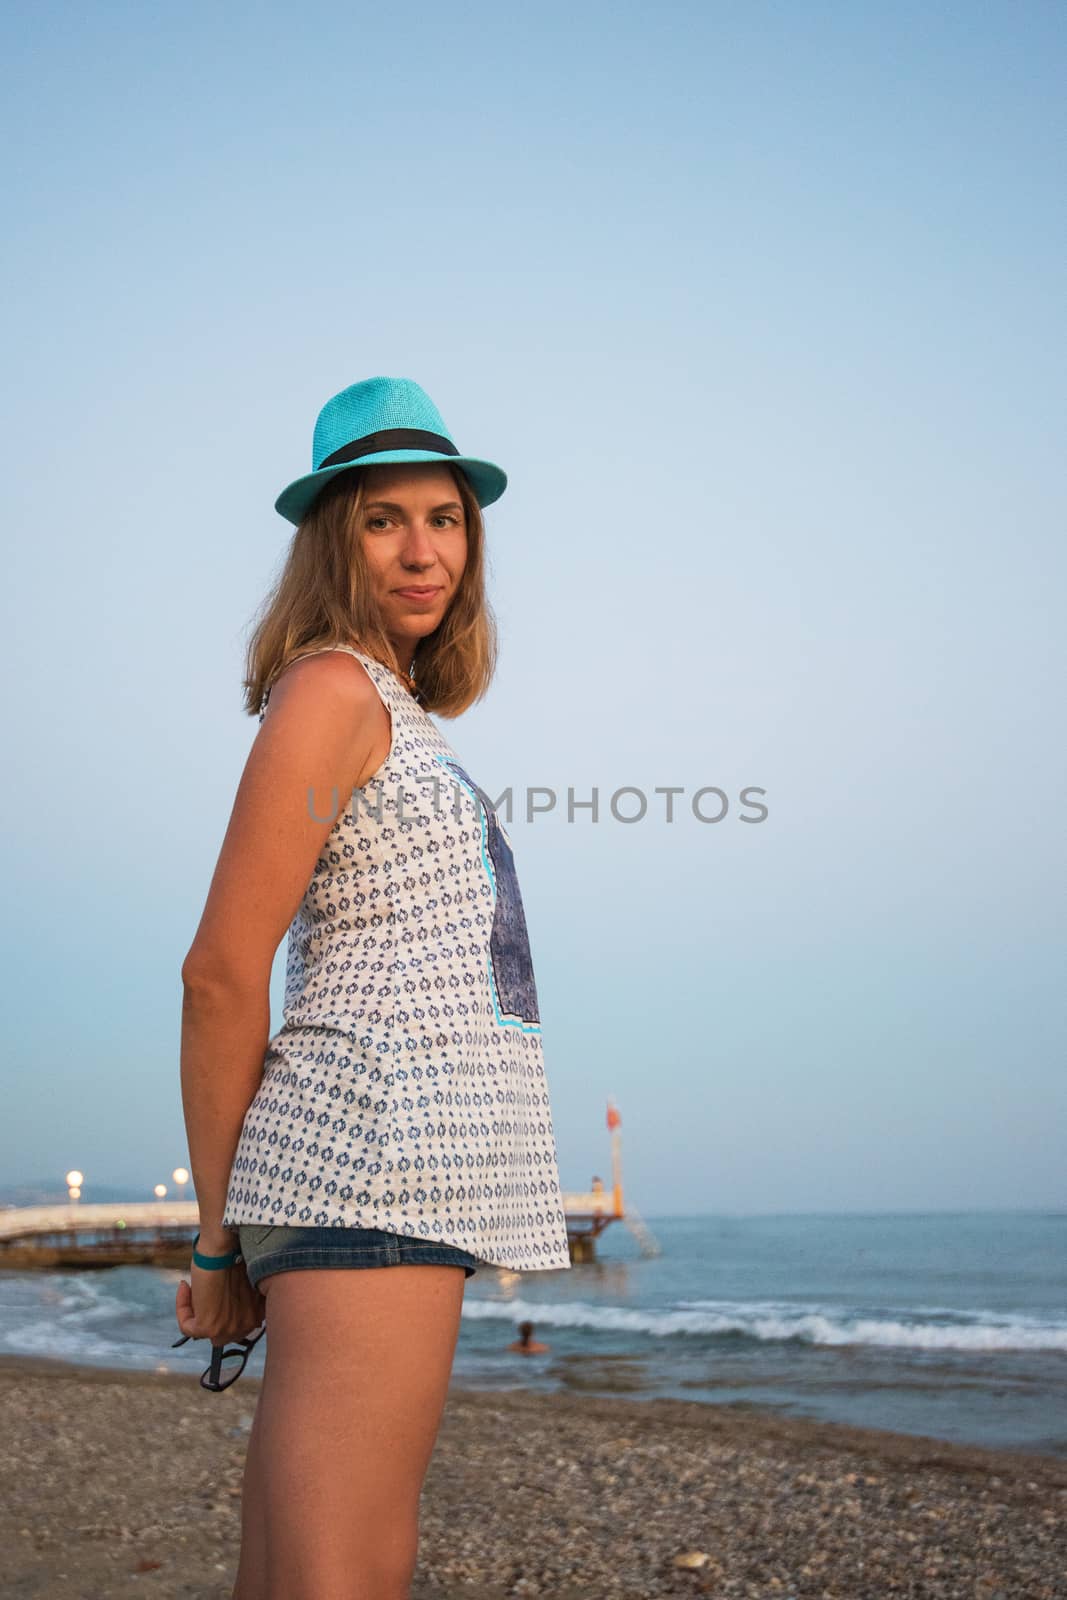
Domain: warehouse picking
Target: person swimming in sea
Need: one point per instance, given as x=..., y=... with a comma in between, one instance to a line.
x=527, y=1345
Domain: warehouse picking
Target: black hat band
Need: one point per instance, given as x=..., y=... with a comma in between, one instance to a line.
x=390, y=439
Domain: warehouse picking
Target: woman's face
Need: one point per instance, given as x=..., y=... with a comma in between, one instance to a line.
x=414, y=533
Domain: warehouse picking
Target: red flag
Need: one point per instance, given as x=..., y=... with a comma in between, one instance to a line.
x=613, y=1116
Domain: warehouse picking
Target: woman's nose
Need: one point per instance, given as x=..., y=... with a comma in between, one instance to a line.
x=418, y=546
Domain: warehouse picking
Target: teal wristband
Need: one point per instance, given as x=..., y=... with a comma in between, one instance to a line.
x=214, y=1263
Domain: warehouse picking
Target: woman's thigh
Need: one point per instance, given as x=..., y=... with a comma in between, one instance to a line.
x=357, y=1369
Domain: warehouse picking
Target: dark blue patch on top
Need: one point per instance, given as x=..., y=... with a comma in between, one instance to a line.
x=510, y=960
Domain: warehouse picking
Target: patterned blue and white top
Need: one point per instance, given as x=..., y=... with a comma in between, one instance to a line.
x=406, y=1088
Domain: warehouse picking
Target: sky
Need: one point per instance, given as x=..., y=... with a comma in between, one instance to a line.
x=761, y=309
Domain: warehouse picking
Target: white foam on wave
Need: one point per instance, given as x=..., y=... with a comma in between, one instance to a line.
x=87, y=1302
x=66, y=1343
x=772, y=1323
x=75, y=1317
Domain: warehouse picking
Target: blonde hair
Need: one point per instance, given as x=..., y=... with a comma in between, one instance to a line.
x=323, y=596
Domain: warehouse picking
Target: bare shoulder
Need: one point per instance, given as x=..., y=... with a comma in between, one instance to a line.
x=331, y=679
x=325, y=719
x=325, y=725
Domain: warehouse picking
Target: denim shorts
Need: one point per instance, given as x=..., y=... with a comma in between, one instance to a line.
x=276, y=1247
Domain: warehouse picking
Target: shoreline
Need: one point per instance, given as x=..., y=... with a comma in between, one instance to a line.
x=110, y=1473
x=722, y=1418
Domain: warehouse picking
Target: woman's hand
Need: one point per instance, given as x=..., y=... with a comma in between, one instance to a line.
x=220, y=1304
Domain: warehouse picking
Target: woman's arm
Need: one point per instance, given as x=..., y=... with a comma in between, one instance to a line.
x=323, y=722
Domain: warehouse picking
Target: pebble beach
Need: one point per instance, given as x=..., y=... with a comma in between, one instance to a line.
x=117, y=1484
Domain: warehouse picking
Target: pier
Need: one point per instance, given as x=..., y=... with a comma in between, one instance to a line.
x=589, y=1213
x=73, y=1234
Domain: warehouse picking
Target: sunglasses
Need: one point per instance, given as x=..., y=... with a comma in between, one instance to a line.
x=227, y=1360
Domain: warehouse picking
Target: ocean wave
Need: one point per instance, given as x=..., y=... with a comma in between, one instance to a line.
x=776, y=1323
x=68, y=1344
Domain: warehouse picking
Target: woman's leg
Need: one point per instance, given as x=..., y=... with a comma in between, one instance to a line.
x=251, y=1581
x=360, y=1360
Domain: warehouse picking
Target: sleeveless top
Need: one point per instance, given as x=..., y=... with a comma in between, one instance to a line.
x=406, y=1088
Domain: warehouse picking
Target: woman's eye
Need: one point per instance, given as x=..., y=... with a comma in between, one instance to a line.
x=441, y=517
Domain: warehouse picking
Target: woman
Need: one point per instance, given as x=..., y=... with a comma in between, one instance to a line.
x=398, y=1122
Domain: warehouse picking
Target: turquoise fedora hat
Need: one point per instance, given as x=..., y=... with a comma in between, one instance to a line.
x=375, y=422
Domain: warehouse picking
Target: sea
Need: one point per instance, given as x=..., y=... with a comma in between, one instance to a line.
x=947, y=1325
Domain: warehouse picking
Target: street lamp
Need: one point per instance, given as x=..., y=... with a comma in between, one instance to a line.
x=181, y=1178
x=160, y=1190
x=74, y=1180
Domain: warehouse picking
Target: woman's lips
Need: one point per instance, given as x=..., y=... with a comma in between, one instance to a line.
x=420, y=594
